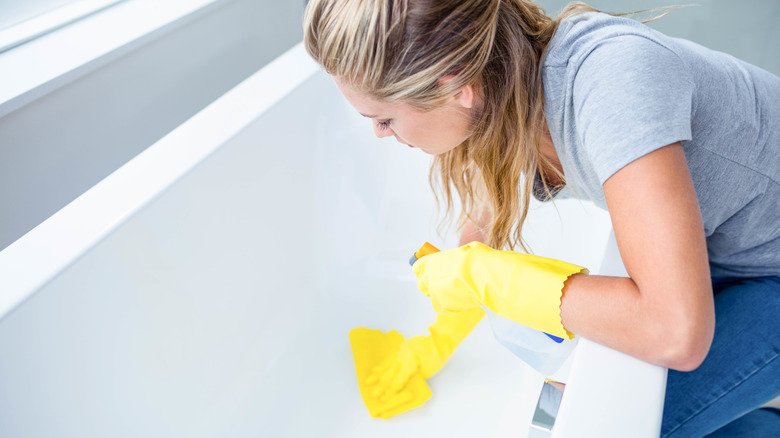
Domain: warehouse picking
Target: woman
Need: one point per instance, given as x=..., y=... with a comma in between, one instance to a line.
x=680, y=143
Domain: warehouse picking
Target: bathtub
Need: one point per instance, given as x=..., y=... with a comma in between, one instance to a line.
x=207, y=288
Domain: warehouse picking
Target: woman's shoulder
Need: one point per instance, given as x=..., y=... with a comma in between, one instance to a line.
x=579, y=35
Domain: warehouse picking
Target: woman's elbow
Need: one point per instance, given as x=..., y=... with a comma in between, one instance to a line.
x=683, y=324
x=687, y=359
x=689, y=346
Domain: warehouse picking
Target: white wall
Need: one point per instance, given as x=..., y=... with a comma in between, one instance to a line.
x=56, y=147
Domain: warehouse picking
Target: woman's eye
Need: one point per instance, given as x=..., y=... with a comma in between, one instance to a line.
x=384, y=124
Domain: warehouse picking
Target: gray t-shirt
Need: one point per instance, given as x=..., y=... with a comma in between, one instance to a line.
x=616, y=90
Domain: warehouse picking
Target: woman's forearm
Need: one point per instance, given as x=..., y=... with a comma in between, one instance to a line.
x=471, y=233
x=614, y=312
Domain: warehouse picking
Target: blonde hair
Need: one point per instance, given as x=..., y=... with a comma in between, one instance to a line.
x=399, y=50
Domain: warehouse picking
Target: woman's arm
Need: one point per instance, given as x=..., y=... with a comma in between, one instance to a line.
x=474, y=230
x=471, y=232
x=664, y=312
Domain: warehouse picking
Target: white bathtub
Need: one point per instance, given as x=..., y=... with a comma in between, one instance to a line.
x=207, y=287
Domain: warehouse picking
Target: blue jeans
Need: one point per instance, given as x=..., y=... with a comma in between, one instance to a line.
x=741, y=371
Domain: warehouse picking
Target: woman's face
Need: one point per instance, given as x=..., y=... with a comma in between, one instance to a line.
x=433, y=132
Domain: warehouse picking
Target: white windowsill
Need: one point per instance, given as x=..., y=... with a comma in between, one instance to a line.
x=41, y=65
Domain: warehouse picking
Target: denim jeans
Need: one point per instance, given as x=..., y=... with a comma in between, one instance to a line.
x=741, y=371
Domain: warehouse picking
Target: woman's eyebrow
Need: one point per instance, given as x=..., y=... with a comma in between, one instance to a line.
x=365, y=115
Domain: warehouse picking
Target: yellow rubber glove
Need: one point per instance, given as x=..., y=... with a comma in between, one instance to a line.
x=523, y=288
x=372, y=348
x=393, y=385
x=446, y=333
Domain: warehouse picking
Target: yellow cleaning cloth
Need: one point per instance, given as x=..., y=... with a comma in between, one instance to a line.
x=371, y=348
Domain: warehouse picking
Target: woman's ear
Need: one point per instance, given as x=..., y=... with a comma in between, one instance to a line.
x=464, y=97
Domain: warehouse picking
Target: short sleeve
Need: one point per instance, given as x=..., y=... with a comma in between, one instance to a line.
x=631, y=96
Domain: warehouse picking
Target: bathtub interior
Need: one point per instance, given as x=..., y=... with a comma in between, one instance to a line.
x=222, y=307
